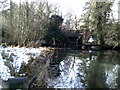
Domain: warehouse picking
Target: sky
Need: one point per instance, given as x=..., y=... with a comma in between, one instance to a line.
x=74, y=6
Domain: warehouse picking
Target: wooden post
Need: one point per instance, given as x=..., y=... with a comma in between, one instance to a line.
x=86, y=35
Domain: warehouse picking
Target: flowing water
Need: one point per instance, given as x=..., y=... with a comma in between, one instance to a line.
x=76, y=69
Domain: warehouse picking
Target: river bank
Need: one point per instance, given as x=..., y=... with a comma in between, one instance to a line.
x=17, y=63
x=37, y=69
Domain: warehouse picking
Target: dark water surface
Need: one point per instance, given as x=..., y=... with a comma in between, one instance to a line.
x=85, y=69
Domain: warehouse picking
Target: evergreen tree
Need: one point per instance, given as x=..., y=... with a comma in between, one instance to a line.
x=54, y=35
x=97, y=17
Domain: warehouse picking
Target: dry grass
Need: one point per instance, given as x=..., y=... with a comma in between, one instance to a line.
x=38, y=67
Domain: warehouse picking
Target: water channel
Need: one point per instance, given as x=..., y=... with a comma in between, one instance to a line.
x=84, y=69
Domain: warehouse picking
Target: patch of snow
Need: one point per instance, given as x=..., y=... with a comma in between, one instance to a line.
x=18, y=55
x=90, y=39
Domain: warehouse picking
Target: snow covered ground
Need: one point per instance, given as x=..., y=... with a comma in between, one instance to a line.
x=15, y=56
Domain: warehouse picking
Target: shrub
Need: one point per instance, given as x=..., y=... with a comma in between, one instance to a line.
x=4, y=45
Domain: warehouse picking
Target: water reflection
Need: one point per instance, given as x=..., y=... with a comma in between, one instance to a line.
x=111, y=75
x=68, y=73
x=70, y=69
x=85, y=69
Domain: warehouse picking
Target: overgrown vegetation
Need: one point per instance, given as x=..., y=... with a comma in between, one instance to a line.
x=103, y=25
x=26, y=23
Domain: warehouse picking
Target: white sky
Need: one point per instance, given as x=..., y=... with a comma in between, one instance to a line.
x=75, y=6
